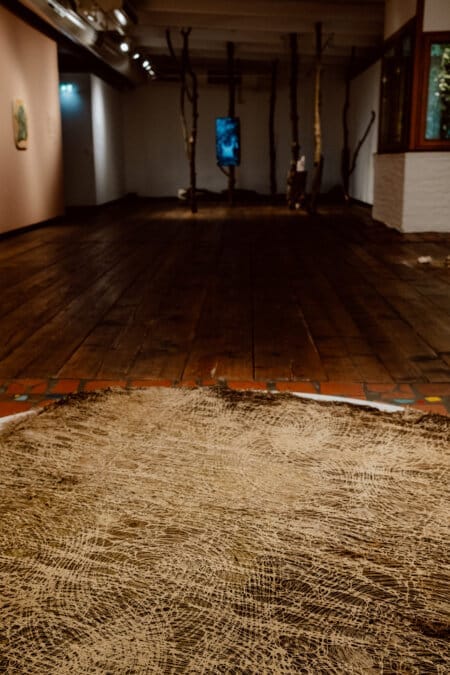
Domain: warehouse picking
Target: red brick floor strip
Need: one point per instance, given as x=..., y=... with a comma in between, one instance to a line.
x=24, y=394
x=94, y=385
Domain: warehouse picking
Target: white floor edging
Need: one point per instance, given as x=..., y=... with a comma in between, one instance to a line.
x=384, y=407
x=379, y=405
x=16, y=418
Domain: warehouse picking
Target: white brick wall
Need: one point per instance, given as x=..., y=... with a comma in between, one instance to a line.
x=427, y=192
x=412, y=191
x=388, y=189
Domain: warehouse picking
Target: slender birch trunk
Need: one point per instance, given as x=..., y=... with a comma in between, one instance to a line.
x=272, y=147
x=318, y=156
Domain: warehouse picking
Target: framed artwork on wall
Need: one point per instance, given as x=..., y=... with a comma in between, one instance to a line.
x=20, y=124
x=437, y=121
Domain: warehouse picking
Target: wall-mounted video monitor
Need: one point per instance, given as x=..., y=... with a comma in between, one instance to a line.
x=228, y=141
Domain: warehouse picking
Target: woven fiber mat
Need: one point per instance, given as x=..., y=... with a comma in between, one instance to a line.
x=207, y=531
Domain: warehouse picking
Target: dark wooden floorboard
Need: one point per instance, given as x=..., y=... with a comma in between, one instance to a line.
x=145, y=290
x=223, y=343
x=344, y=349
x=283, y=345
x=168, y=341
x=111, y=346
x=420, y=328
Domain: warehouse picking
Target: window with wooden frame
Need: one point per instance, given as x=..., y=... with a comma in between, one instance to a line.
x=432, y=130
x=395, y=94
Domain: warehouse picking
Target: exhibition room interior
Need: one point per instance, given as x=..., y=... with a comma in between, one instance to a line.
x=253, y=194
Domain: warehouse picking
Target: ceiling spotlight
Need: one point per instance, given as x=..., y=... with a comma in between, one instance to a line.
x=57, y=8
x=66, y=88
x=121, y=17
x=146, y=63
x=124, y=47
x=136, y=56
x=91, y=18
x=151, y=72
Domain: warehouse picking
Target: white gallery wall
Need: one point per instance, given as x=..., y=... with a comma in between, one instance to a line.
x=107, y=136
x=78, y=155
x=364, y=97
x=31, y=187
x=92, y=130
x=155, y=162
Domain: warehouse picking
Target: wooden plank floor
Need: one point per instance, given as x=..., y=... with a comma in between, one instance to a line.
x=144, y=290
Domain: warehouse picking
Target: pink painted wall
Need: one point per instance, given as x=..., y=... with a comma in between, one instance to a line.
x=31, y=181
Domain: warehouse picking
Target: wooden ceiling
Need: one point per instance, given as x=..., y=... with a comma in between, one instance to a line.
x=258, y=28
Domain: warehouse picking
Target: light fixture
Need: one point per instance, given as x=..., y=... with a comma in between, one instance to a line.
x=57, y=8
x=124, y=47
x=121, y=17
x=146, y=63
x=136, y=56
x=75, y=19
x=66, y=88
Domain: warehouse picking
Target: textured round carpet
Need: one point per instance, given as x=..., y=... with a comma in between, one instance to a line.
x=205, y=531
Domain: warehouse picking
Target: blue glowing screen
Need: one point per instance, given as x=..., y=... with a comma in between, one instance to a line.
x=228, y=144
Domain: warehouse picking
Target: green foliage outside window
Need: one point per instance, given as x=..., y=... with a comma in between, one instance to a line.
x=438, y=102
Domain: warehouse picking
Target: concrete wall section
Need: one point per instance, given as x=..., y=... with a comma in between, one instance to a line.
x=332, y=107
x=79, y=169
x=107, y=138
x=427, y=192
x=154, y=155
x=364, y=97
x=389, y=189
x=396, y=14
x=155, y=161
x=253, y=174
x=436, y=15
x=31, y=183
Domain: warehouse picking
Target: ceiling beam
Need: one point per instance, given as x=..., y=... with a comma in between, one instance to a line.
x=274, y=50
x=309, y=10
x=277, y=23
x=152, y=35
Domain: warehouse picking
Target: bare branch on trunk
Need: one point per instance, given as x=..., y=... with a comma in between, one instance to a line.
x=361, y=142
